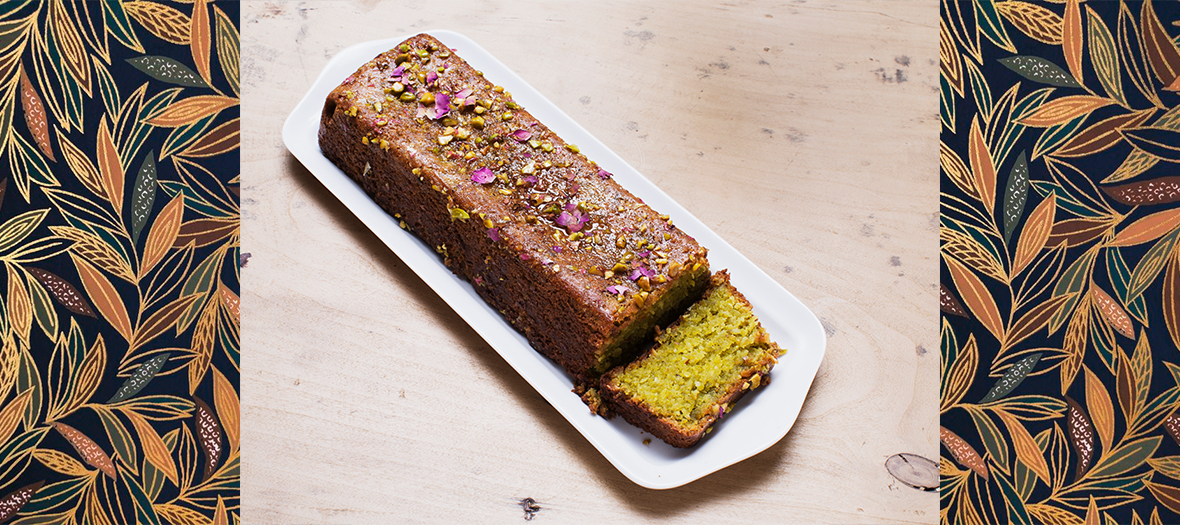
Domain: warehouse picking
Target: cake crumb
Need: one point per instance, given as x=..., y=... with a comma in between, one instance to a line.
x=647, y=441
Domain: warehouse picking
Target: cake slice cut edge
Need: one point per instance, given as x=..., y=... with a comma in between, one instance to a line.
x=697, y=370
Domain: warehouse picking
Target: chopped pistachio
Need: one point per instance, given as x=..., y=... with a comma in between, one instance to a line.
x=535, y=143
x=479, y=110
x=548, y=147
x=443, y=140
x=572, y=148
x=477, y=121
x=644, y=284
x=507, y=115
x=426, y=98
x=609, y=274
x=406, y=96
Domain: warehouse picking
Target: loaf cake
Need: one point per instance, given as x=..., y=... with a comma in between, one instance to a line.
x=576, y=263
x=698, y=368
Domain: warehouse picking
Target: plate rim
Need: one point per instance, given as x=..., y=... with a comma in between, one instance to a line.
x=294, y=135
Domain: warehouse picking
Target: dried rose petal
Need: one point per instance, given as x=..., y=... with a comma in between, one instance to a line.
x=530, y=179
x=641, y=271
x=431, y=77
x=482, y=176
x=442, y=106
x=421, y=112
x=525, y=257
x=522, y=135
x=644, y=254
x=494, y=234
x=557, y=249
x=603, y=174
x=397, y=72
x=469, y=101
x=466, y=92
x=565, y=219
x=575, y=187
x=617, y=289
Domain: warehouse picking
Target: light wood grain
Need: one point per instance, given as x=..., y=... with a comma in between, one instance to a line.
x=803, y=132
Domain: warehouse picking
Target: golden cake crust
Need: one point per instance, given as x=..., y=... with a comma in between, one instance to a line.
x=573, y=260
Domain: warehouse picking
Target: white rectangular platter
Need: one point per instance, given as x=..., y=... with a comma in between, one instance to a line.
x=760, y=420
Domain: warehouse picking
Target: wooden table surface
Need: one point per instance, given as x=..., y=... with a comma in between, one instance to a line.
x=803, y=132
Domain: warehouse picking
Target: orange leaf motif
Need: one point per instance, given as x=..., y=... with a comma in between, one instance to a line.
x=189, y=110
x=163, y=234
x=1026, y=447
x=226, y=399
x=1148, y=228
x=35, y=116
x=1071, y=39
x=104, y=296
x=1064, y=109
x=154, y=449
x=12, y=414
x=977, y=298
x=962, y=452
x=110, y=167
x=200, y=43
x=91, y=453
x=1033, y=20
x=982, y=167
x=165, y=22
x=1035, y=233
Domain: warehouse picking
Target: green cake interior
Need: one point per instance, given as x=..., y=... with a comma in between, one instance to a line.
x=661, y=313
x=696, y=360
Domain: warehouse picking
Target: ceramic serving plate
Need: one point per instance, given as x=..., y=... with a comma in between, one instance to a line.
x=760, y=419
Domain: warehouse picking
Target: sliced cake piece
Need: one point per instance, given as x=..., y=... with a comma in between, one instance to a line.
x=698, y=368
